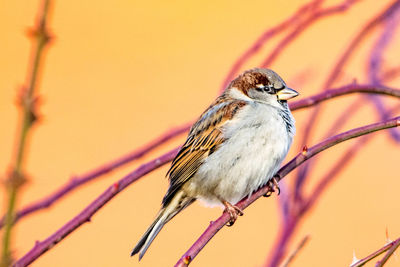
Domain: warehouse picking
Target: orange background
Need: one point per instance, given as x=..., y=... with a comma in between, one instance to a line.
x=120, y=73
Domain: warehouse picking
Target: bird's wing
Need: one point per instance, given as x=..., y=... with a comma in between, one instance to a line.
x=204, y=137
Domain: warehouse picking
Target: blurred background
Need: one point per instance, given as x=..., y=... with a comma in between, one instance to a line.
x=118, y=74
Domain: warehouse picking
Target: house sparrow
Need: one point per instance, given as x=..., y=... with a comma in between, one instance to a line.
x=234, y=148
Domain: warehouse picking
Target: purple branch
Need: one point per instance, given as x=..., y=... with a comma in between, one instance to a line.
x=78, y=181
x=392, y=246
x=344, y=90
x=85, y=215
x=215, y=226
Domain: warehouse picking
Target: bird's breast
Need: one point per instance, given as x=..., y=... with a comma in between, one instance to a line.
x=256, y=143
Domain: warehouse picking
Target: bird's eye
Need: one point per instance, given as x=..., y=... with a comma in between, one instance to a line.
x=270, y=89
x=260, y=87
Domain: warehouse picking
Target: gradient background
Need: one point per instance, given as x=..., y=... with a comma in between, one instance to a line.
x=120, y=73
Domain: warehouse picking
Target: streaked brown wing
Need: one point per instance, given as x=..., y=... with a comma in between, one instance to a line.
x=204, y=137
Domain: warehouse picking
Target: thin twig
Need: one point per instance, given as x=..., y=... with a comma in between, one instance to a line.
x=390, y=252
x=216, y=225
x=375, y=254
x=77, y=181
x=28, y=102
x=291, y=257
x=344, y=90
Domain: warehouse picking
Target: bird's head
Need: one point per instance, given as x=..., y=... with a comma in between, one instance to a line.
x=263, y=85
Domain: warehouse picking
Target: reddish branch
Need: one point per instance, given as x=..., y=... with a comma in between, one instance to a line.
x=42, y=247
x=215, y=226
x=78, y=181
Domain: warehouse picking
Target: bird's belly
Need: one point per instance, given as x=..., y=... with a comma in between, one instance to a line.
x=246, y=161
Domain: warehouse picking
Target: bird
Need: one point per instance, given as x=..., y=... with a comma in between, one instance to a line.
x=236, y=146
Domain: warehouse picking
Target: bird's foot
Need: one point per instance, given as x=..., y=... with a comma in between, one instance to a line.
x=272, y=184
x=233, y=211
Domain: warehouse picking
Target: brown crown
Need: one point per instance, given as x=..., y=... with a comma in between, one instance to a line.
x=249, y=79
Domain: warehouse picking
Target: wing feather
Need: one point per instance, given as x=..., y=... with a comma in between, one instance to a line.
x=204, y=137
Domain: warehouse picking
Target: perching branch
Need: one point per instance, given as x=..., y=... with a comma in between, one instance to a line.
x=216, y=225
x=28, y=103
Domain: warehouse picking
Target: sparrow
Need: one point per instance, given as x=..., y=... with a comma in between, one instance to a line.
x=234, y=148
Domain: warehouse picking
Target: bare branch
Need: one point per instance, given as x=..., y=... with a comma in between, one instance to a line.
x=78, y=181
x=344, y=90
x=392, y=246
x=390, y=252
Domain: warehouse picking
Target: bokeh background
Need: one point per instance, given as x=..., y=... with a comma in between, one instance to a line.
x=120, y=73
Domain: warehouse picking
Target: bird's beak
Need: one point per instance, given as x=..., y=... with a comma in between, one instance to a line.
x=286, y=93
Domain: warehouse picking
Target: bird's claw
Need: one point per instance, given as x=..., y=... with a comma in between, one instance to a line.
x=233, y=212
x=272, y=184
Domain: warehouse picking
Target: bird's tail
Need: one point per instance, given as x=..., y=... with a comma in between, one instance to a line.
x=178, y=203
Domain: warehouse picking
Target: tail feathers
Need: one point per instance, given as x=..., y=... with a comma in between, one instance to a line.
x=178, y=203
x=149, y=235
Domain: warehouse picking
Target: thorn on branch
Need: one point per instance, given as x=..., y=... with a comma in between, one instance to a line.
x=187, y=260
x=41, y=34
x=304, y=150
x=15, y=180
x=29, y=104
x=115, y=187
